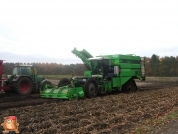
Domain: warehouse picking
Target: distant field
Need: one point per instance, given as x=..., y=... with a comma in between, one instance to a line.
x=163, y=79
x=57, y=77
x=160, y=79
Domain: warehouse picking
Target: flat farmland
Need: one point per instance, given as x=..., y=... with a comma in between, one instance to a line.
x=117, y=113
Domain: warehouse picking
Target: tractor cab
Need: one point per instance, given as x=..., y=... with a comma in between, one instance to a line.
x=27, y=71
x=23, y=70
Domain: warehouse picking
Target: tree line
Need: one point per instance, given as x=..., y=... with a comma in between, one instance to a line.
x=154, y=66
x=161, y=66
x=49, y=68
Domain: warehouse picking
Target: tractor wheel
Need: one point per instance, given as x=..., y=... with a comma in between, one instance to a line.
x=130, y=86
x=24, y=86
x=43, y=84
x=91, y=88
x=63, y=82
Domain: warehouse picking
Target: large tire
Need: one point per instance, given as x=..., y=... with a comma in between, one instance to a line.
x=63, y=82
x=91, y=88
x=24, y=86
x=43, y=84
x=130, y=86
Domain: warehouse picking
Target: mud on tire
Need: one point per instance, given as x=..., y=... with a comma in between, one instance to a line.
x=130, y=86
x=43, y=84
x=63, y=82
x=91, y=88
x=24, y=86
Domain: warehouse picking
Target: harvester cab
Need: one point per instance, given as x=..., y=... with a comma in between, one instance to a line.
x=101, y=67
x=105, y=74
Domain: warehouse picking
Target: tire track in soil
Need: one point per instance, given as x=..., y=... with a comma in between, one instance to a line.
x=13, y=100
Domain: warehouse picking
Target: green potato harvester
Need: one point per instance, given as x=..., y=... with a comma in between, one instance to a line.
x=104, y=74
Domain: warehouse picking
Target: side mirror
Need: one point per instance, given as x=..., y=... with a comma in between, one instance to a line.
x=117, y=70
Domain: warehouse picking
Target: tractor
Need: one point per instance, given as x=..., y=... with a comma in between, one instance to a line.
x=24, y=80
x=105, y=74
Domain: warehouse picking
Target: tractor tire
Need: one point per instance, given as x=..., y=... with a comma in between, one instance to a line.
x=91, y=88
x=43, y=84
x=24, y=86
x=63, y=82
x=130, y=86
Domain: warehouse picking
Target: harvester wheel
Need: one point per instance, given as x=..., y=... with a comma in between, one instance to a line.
x=24, y=86
x=63, y=82
x=91, y=88
x=43, y=84
x=130, y=86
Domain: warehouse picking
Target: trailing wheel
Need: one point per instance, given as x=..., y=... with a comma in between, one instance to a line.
x=43, y=84
x=130, y=86
x=91, y=88
x=24, y=86
x=63, y=82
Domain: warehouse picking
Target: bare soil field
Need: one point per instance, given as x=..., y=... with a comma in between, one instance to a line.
x=117, y=113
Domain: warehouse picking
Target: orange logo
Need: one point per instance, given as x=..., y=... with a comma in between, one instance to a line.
x=10, y=124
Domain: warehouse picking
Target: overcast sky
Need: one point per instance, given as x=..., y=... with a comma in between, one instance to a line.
x=47, y=30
